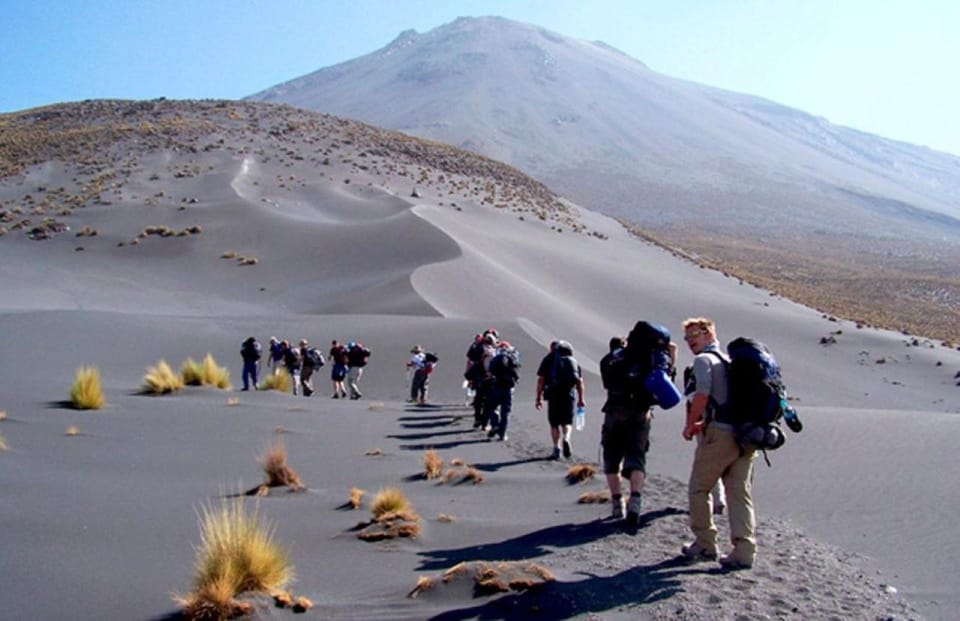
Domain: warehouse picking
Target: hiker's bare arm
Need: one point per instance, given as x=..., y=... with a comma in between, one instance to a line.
x=580, y=390
x=539, y=397
x=695, y=416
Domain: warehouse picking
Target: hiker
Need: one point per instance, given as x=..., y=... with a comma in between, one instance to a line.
x=292, y=362
x=275, y=361
x=718, y=456
x=311, y=361
x=250, y=353
x=499, y=399
x=357, y=358
x=422, y=364
x=338, y=370
x=717, y=494
x=560, y=380
x=479, y=377
x=625, y=435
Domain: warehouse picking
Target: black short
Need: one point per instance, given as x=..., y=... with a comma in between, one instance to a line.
x=560, y=409
x=626, y=439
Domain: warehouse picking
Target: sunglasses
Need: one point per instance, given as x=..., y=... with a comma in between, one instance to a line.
x=692, y=335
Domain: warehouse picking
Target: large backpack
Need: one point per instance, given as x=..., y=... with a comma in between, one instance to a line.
x=563, y=371
x=647, y=352
x=756, y=395
x=250, y=350
x=315, y=358
x=503, y=369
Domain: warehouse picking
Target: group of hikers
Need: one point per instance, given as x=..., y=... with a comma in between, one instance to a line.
x=729, y=423
x=301, y=362
x=733, y=402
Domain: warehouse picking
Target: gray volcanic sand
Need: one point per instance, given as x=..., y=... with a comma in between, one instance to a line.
x=854, y=516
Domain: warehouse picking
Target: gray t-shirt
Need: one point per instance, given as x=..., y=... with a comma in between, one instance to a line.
x=710, y=375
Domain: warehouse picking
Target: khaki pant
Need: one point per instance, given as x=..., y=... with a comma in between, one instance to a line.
x=718, y=457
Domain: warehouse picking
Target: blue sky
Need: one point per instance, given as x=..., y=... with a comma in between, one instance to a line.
x=883, y=66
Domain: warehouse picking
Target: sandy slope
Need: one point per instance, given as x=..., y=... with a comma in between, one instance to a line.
x=101, y=525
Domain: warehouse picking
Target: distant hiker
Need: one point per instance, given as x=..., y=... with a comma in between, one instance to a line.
x=357, y=358
x=275, y=361
x=718, y=456
x=311, y=361
x=478, y=375
x=560, y=379
x=499, y=400
x=422, y=364
x=625, y=435
x=338, y=370
x=292, y=362
x=250, y=353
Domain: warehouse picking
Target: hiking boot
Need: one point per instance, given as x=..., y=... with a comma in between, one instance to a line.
x=503, y=438
x=555, y=454
x=695, y=552
x=491, y=433
x=718, y=508
x=566, y=449
x=617, y=510
x=633, y=510
x=732, y=562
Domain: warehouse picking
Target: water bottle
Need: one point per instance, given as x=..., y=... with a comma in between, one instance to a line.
x=580, y=420
x=793, y=421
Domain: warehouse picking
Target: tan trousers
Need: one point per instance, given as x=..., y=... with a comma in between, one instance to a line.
x=718, y=457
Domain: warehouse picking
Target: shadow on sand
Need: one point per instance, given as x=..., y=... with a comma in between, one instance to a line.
x=643, y=584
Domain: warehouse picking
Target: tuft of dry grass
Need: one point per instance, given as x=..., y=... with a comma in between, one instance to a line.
x=229, y=254
x=274, y=464
x=237, y=554
x=432, y=464
x=424, y=583
x=73, y=430
x=375, y=406
x=232, y=401
x=277, y=381
x=445, y=518
x=356, y=497
x=283, y=599
x=579, y=473
x=207, y=373
x=3, y=415
x=160, y=380
x=214, y=374
x=593, y=498
x=87, y=391
x=374, y=453
x=456, y=461
x=3, y=444
x=389, y=500
x=191, y=372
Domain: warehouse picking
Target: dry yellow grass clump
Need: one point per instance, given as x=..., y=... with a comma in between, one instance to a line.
x=87, y=391
x=356, y=497
x=3, y=415
x=3, y=444
x=593, y=498
x=578, y=473
x=279, y=473
x=160, y=380
x=432, y=464
x=73, y=430
x=237, y=554
x=277, y=381
x=203, y=373
x=392, y=517
x=389, y=500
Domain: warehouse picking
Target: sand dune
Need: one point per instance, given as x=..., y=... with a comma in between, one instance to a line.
x=100, y=525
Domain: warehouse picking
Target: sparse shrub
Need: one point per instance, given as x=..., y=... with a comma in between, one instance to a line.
x=229, y=254
x=374, y=453
x=248, y=260
x=578, y=473
x=73, y=430
x=214, y=374
x=191, y=372
x=356, y=497
x=277, y=381
x=274, y=464
x=3, y=444
x=302, y=604
x=389, y=500
x=160, y=380
x=593, y=498
x=87, y=392
x=424, y=583
x=3, y=415
x=432, y=464
x=232, y=401
x=237, y=554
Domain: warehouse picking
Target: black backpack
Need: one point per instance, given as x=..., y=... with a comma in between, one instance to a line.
x=503, y=369
x=315, y=358
x=648, y=350
x=757, y=396
x=250, y=350
x=563, y=374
